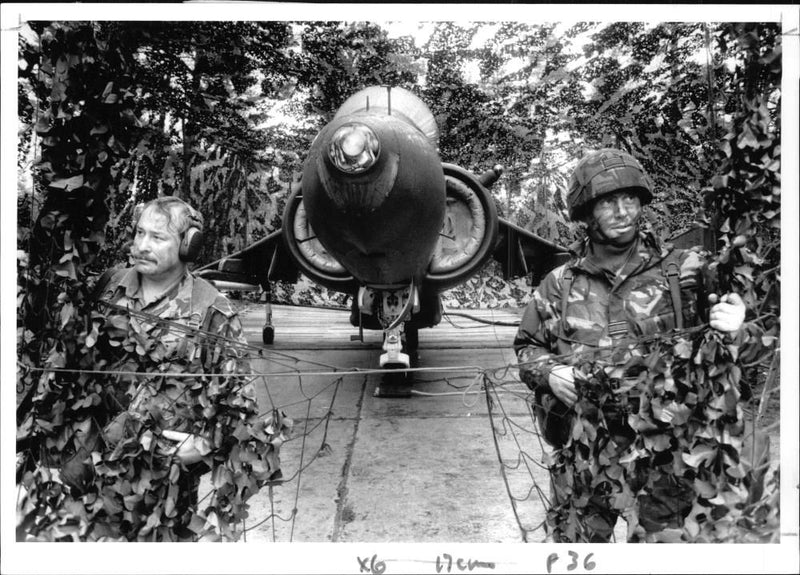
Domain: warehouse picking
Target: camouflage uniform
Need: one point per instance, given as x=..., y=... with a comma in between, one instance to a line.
x=186, y=303
x=599, y=301
x=605, y=313
x=194, y=303
x=605, y=321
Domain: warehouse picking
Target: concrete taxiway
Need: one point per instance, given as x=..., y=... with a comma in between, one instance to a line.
x=422, y=468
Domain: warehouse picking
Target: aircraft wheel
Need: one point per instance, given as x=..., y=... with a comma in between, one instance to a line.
x=394, y=384
x=268, y=335
x=411, y=345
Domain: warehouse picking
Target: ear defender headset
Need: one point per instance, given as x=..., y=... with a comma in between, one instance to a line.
x=192, y=238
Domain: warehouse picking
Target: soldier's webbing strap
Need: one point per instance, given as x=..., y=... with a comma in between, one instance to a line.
x=203, y=296
x=672, y=272
x=566, y=289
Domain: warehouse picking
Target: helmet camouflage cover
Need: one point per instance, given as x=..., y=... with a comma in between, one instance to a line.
x=604, y=172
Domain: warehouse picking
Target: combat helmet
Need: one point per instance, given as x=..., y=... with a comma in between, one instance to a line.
x=603, y=172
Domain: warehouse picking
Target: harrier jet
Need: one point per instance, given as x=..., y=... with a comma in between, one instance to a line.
x=379, y=216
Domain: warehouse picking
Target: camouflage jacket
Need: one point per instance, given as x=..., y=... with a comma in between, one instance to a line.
x=189, y=328
x=606, y=317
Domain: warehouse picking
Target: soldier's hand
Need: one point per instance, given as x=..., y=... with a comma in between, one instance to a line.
x=526, y=370
x=528, y=378
x=190, y=448
x=726, y=314
x=562, y=384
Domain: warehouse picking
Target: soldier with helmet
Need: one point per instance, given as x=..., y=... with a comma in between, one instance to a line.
x=620, y=286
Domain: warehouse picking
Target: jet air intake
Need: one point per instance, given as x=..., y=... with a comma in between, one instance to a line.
x=469, y=228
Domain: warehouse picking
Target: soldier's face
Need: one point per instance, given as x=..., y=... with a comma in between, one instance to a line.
x=616, y=216
x=156, y=246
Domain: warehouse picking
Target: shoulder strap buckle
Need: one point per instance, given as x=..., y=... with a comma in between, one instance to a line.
x=566, y=288
x=672, y=272
x=203, y=295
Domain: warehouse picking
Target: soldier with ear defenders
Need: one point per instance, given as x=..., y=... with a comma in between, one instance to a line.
x=167, y=236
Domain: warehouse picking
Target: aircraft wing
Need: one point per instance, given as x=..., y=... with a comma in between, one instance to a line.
x=252, y=267
x=521, y=252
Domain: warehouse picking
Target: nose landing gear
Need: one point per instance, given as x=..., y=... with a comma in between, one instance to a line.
x=394, y=358
x=398, y=383
x=400, y=349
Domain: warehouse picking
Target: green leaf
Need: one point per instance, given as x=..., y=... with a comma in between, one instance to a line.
x=68, y=183
x=131, y=501
x=747, y=139
x=65, y=269
x=91, y=337
x=67, y=312
x=673, y=413
x=683, y=349
x=197, y=523
x=172, y=497
x=704, y=489
x=43, y=125
x=700, y=455
x=735, y=471
x=221, y=476
x=657, y=442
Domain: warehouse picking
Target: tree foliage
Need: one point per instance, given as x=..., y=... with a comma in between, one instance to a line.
x=744, y=195
x=689, y=423
x=87, y=123
x=340, y=58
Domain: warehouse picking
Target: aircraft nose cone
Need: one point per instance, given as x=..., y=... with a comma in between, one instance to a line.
x=354, y=148
x=380, y=223
x=353, y=145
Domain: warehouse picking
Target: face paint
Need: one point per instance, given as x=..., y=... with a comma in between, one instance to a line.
x=614, y=218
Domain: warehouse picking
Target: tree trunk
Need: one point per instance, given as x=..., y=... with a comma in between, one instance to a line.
x=188, y=144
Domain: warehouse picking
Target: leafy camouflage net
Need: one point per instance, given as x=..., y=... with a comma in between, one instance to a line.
x=686, y=428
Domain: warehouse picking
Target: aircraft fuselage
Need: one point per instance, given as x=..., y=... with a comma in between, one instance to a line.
x=382, y=224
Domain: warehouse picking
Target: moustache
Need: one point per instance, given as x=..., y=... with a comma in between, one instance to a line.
x=139, y=256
